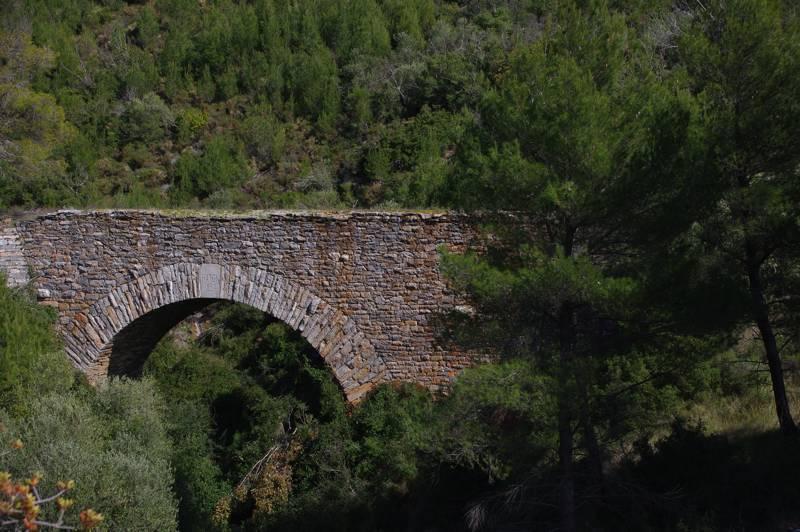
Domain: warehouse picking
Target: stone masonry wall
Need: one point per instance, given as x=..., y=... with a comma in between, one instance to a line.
x=361, y=287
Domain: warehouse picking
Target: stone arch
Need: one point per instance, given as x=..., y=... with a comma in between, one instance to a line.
x=177, y=290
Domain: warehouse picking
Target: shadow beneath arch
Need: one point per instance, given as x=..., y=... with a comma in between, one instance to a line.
x=133, y=344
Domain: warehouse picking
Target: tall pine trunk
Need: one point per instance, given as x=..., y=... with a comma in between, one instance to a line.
x=566, y=492
x=594, y=454
x=761, y=316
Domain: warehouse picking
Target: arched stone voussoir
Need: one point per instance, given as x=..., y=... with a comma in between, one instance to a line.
x=172, y=292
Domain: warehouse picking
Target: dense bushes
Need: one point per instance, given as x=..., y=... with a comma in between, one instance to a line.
x=248, y=391
x=204, y=99
x=111, y=442
x=32, y=363
x=480, y=459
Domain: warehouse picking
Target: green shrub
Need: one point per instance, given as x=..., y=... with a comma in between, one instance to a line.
x=263, y=135
x=112, y=443
x=390, y=428
x=147, y=119
x=221, y=165
x=189, y=123
x=31, y=361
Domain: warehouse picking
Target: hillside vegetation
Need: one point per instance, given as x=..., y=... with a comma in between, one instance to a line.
x=244, y=104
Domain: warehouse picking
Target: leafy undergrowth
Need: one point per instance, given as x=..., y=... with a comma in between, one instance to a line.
x=264, y=440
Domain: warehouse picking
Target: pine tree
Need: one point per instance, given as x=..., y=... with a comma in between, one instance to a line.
x=743, y=57
x=586, y=139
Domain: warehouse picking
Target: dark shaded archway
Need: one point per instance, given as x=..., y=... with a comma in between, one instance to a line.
x=133, y=344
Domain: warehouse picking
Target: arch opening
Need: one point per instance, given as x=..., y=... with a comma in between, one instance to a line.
x=133, y=344
x=118, y=332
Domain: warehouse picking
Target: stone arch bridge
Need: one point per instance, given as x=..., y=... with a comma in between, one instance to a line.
x=361, y=287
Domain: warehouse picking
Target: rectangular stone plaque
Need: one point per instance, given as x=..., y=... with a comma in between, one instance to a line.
x=211, y=280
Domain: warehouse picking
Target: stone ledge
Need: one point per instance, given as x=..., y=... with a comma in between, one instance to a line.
x=248, y=215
